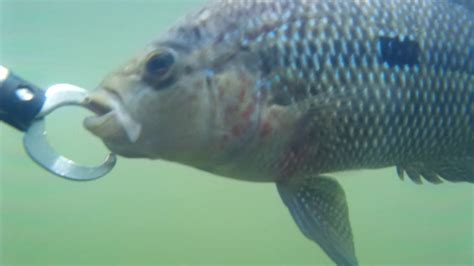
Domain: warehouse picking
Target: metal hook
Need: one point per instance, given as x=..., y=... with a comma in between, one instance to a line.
x=39, y=149
x=24, y=106
x=37, y=146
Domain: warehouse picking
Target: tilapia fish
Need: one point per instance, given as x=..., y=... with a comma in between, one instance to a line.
x=287, y=91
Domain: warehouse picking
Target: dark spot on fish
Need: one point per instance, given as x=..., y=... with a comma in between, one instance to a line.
x=298, y=62
x=300, y=48
x=338, y=46
x=286, y=60
x=268, y=60
x=313, y=90
x=188, y=70
x=326, y=48
x=468, y=62
x=315, y=31
x=245, y=48
x=334, y=60
x=252, y=35
x=302, y=29
x=346, y=59
x=289, y=32
x=310, y=62
x=197, y=33
x=287, y=50
x=362, y=50
x=266, y=67
x=209, y=81
x=350, y=48
x=219, y=39
x=399, y=52
x=312, y=48
x=281, y=98
x=343, y=80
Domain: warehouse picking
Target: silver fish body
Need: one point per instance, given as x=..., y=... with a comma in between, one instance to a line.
x=286, y=91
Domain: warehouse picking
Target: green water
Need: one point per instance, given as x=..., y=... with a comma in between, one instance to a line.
x=159, y=213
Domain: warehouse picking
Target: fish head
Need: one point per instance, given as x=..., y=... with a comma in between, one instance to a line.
x=179, y=100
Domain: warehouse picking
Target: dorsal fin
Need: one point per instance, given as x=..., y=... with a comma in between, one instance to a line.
x=468, y=4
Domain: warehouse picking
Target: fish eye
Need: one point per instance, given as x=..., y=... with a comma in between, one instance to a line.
x=158, y=64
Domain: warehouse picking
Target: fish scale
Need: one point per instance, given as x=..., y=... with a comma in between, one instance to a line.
x=422, y=106
x=313, y=49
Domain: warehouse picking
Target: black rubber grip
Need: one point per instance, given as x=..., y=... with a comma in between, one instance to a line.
x=20, y=101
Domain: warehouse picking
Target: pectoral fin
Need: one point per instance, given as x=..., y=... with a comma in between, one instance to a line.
x=318, y=206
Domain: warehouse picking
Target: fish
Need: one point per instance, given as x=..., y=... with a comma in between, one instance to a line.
x=291, y=91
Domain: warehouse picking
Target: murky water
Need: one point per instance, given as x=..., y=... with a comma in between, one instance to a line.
x=159, y=213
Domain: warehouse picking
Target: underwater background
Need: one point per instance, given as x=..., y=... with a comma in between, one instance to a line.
x=159, y=213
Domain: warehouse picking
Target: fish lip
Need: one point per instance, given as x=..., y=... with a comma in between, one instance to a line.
x=103, y=102
x=95, y=124
x=112, y=119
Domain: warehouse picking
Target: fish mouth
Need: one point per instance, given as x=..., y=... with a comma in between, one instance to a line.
x=111, y=120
